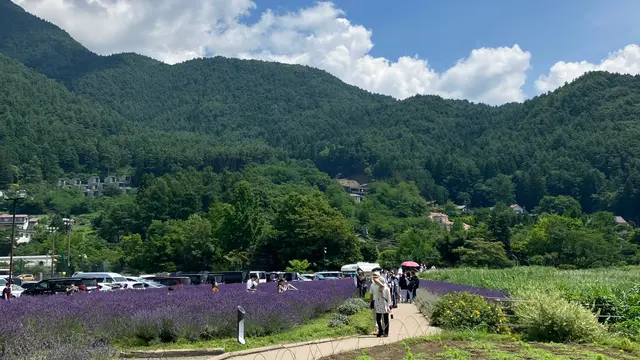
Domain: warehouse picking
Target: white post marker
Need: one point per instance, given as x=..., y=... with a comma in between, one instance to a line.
x=241, y=314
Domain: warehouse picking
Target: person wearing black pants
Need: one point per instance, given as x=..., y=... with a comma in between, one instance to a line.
x=382, y=304
x=415, y=283
x=361, y=283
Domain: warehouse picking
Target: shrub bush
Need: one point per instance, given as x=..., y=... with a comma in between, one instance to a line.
x=467, y=311
x=549, y=317
x=338, y=320
x=348, y=309
x=358, y=302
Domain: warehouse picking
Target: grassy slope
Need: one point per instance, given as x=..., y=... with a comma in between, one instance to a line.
x=360, y=323
x=518, y=279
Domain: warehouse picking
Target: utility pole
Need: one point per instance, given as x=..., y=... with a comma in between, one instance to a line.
x=324, y=258
x=53, y=231
x=69, y=225
x=53, y=252
x=20, y=195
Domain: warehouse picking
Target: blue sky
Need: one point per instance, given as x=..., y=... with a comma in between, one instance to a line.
x=485, y=51
x=445, y=31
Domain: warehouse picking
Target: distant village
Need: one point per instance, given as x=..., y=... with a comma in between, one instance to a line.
x=95, y=186
x=359, y=191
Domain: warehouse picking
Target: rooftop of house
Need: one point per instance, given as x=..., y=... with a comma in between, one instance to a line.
x=349, y=183
x=620, y=220
x=514, y=206
x=18, y=216
x=438, y=215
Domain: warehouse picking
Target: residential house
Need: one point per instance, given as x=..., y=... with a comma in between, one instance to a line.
x=463, y=208
x=95, y=186
x=354, y=189
x=443, y=220
x=25, y=226
x=517, y=208
x=6, y=220
x=620, y=220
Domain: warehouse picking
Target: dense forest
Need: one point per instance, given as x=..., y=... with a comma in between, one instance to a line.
x=66, y=111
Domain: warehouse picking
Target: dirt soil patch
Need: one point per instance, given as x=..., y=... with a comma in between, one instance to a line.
x=484, y=350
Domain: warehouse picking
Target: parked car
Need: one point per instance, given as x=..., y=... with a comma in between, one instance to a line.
x=171, y=280
x=16, y=290
x=60, y=285
x=26, y=277
x=113, y=280
x=228, y=277
x=146, y=283
x=28, y=284
x=313, y=277
x=330, y=274
x=196, y=278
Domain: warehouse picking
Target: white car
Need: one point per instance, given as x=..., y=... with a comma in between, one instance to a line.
x=112, y=280
x=16, y=290
x=146, y=282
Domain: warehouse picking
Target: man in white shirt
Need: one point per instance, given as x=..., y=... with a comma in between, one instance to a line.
x=252, y=283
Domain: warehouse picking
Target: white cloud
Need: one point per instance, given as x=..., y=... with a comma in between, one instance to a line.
x=320, y=36
x=624, y=61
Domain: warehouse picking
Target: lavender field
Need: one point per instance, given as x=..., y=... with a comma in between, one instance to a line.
x=89, y=326
x=443, y=288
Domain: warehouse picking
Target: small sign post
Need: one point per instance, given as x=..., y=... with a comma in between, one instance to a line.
x=241, y=314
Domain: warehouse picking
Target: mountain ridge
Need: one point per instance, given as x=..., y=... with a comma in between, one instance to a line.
x=578, y=140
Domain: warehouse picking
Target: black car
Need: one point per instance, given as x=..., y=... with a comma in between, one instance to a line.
x=60, y=285
x=228, y=277
x=196, y=278
x=28, y=284
x=171, y=280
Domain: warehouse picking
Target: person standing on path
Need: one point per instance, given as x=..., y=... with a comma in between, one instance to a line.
x=382, y=304
x=415, y=285
x=403, y=283
x=393, y=285
x=361, y=283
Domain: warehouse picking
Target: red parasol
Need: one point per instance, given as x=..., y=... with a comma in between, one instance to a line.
x=410, y=264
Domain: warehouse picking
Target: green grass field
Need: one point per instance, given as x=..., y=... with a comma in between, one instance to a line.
x=569, y=282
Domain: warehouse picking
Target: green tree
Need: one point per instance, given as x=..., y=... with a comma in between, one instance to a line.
x=500, y=221
x=369, y=251
x=561, y=205
x=304, y=226
x=6, y=170
x=388, y=259
x=481, y=253
x=5, y=241
x=419, y=246
x=241, y=222
x=299, y=266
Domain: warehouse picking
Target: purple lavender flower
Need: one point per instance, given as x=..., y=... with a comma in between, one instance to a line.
x=88, y=325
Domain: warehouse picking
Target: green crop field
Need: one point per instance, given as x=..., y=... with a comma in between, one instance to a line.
x=571, y=283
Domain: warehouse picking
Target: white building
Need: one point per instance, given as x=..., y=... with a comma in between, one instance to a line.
x=517, y=208
x=25, y=226
x=30, y=260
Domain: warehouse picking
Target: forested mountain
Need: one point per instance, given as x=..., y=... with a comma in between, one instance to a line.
x=129, y=111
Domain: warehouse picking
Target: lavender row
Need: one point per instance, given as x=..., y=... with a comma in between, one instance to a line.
x=443, y=288
x=103, y=319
